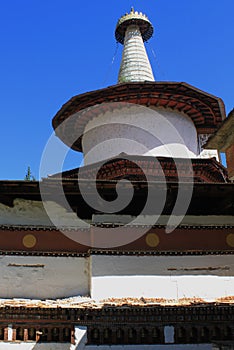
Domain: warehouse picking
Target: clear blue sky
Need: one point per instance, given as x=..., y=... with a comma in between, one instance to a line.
x=52, y=50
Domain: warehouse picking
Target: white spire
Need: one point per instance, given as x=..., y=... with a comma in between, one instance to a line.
x=132, y=30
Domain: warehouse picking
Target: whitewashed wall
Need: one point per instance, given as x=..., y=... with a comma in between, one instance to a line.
x=162, y=276
x=43, y=277
x=172, y=277
x=141, y=131
x=27, y=212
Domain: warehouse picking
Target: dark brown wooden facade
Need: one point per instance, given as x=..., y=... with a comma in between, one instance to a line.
x=145, y=168
x=109, y=324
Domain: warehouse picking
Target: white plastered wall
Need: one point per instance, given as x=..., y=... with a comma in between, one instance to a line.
x=172, y=277
x=28, y=212
x=43, y=277
x=208, y=277
x=138, y=130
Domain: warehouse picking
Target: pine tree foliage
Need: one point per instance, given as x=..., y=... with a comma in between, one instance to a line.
x=29, y=176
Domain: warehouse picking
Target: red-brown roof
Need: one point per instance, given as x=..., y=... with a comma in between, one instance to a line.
x=155, y=168
x=206, y=111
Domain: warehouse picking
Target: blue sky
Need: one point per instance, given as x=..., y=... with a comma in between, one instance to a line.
x=52, y=50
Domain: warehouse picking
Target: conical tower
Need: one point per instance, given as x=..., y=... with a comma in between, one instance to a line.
x=132, y=30
x=178, y=115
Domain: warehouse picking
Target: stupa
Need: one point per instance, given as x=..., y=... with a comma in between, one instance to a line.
x=133, y=250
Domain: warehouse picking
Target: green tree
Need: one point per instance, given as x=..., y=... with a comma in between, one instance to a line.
x=29, y=176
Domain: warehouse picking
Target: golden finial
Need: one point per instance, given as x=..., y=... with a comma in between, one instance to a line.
x=135, y=18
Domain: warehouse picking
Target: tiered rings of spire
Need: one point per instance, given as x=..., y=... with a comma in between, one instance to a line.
x=132, y=30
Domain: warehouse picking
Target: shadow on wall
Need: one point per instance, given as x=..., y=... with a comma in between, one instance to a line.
x=81, y=346
x=37, y=346
x=52, y=346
